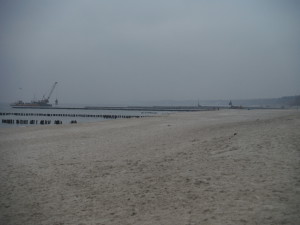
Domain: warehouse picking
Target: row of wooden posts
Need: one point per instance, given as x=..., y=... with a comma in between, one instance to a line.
x=69, y=115
x=25, y=122
x=33, y=122
x=45, y=122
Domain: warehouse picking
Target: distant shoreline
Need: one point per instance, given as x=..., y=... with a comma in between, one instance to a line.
x=131, y=108
x=150, y=108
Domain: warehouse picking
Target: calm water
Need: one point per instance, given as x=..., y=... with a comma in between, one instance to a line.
x=63, y=115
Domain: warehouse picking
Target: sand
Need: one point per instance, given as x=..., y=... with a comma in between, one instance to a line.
x=221, y=167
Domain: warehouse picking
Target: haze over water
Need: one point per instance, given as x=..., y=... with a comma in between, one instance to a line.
x=123, y=52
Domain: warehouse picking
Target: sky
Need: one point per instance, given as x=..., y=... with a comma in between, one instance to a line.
x=122, y=52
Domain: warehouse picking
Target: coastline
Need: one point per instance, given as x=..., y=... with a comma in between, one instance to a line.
x=212, y=167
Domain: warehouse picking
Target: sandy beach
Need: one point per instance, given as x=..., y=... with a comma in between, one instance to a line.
x=220, y=167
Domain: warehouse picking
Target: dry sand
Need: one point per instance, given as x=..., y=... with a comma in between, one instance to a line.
x=223, y=167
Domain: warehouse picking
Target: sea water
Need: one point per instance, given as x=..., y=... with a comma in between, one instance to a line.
x=64, y=116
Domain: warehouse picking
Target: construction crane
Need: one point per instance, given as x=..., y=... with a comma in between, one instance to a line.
x=46, y=100
x=40, y=103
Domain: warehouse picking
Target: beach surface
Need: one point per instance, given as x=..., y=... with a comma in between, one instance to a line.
x=220, y=167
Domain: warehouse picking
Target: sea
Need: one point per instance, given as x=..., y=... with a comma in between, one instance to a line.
x=23, y=117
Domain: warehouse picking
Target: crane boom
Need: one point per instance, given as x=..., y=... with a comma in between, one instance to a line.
x=52, y=89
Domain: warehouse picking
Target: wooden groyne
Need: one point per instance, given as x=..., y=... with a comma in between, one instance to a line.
x=144, y=111
x=56, y=115
x=27, y=122
x=104, y=116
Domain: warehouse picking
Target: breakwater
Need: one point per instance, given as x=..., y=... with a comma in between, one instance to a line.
x=108, y=116
x=157, y=108
x=67, y=115
x=40, y=118
x=130, y=108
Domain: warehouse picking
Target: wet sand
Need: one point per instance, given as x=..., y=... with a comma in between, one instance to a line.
x=221, y=167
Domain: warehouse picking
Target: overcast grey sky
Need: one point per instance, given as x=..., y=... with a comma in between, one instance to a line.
x=122, y=51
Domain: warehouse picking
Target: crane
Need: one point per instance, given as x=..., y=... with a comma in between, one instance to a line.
x=46, y=100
